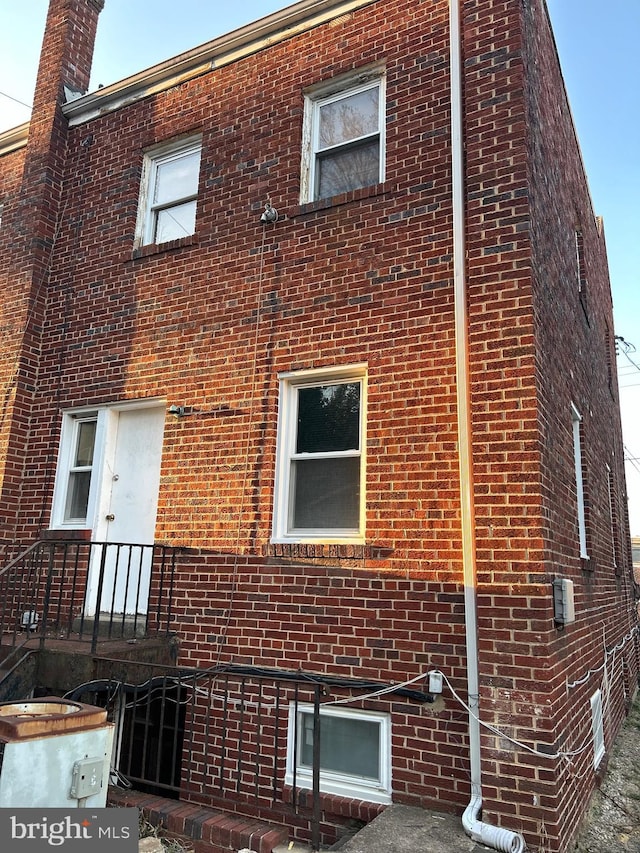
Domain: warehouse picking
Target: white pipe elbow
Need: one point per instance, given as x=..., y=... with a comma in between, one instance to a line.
x=503, y=840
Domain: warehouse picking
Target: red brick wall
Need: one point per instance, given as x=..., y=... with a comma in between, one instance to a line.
x=579, y=324
x=210, y=321
x=529, y=326
x=33, y=183
x=11, y=323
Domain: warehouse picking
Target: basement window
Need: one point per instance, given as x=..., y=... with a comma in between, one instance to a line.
x=355, y=752
x=319, y=490
x=597, y=728
x=169, y=190
x=343, y=137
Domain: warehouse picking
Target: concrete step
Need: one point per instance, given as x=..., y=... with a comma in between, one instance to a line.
x=406, y=829
x=115, y=625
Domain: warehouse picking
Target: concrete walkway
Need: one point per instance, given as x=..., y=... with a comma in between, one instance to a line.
x=403, y=829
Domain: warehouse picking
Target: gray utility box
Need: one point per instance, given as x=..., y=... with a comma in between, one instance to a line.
x=54, y=754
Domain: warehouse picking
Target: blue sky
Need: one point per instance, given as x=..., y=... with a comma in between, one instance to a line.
x=597, y=43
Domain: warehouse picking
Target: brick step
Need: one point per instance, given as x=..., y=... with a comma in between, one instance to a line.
x=208, y=830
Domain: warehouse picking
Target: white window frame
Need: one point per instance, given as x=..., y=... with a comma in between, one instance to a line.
x=68, y=442
x=597, y=728
x=290, y=383
x=576, y=421
x=153, y=159
x=611, y=490
x=334, y=90
x=580, y=265
x=331, y=782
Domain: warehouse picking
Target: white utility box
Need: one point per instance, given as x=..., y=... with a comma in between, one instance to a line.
x=54, y=754
x=564, y=601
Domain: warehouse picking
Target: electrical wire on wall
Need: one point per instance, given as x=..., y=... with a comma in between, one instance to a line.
x=607, y=654
x=269, y=217
x=140, y=693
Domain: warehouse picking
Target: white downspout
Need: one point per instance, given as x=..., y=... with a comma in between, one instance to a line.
x=500, y=839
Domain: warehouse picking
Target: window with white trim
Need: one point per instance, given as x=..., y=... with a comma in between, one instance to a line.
x=319, y=491
x=613, y=517
x=581, y=273
x=355, y=752
x=343, y=137
x=75, y=472
x=597, y=728
x=169, y=191
x=576, y=423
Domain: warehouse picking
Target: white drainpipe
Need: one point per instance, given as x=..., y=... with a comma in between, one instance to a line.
x=500, y=839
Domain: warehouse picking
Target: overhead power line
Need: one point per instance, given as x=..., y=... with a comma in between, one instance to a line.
x=17, y=100
x=625, y=347
x=630, y=457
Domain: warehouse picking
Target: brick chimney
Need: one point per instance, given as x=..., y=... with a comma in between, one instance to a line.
x=67, y=50
x=65, y=67
x=65, y=63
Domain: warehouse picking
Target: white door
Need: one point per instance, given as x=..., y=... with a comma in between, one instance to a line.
x=126, y=509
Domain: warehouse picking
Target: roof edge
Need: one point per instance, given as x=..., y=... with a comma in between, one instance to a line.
x=14, y=138
x=224, y=50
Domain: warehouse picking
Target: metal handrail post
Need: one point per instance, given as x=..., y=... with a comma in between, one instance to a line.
x=315, y=819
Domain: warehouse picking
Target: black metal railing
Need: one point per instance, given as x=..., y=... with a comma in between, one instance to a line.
x=218, y=737
x=86, y=591
x=235, y=737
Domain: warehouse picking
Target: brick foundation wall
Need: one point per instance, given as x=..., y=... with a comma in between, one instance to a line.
x=349, y=623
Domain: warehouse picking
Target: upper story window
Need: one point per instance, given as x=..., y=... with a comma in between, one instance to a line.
x=168, y=196
x=343, y=146
x=581, y=271
x=319, y=493
x=576, y=423
x=613, y=519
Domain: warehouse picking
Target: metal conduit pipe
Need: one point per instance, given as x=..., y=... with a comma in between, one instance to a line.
x=503, y=840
